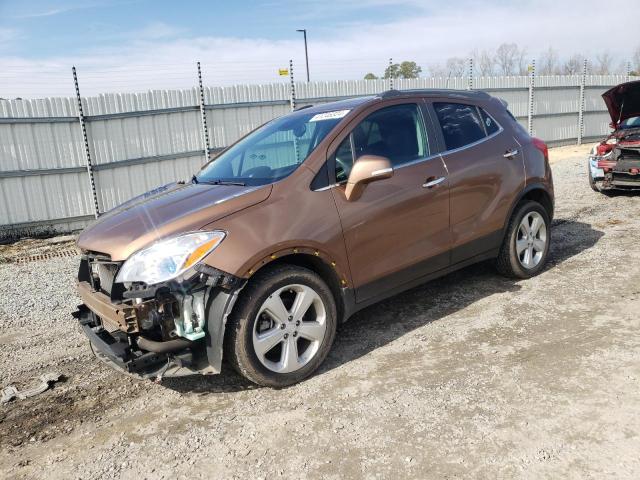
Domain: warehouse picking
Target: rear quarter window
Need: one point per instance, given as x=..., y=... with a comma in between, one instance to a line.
x=490, y=124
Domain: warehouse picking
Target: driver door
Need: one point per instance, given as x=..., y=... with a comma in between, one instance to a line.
x=398, y=230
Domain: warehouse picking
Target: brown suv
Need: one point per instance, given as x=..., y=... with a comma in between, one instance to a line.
x=306, y=220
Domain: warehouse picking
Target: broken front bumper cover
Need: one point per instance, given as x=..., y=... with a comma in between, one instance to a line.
x=114, y=349
x=116, y=333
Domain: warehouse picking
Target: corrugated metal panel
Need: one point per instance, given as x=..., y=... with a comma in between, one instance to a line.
x=140, y=141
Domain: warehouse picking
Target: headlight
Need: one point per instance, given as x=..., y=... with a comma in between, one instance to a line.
x=169, y=258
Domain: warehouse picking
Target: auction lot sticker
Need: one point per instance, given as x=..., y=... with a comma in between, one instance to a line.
x=329, y=115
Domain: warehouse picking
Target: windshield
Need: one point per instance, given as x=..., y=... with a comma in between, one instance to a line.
x=633, y=122
x=272, y=152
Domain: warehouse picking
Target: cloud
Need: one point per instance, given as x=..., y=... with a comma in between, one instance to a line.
x=8, y=35
x=160, y=56
x=64, y=7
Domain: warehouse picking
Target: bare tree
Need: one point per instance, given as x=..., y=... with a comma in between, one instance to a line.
x=507, y=58
x=437, y=70
x=484, y=62
x=548, y=64
x=573, y=65
x=523, y=63
x=635, y=61
x=604, y=62
x=456, y=67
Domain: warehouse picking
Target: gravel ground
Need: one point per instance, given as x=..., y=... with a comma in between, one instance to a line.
x=471, y=375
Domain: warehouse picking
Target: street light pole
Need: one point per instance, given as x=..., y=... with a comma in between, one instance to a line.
x=306, y=53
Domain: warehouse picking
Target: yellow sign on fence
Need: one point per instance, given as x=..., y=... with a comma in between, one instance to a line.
x=283, y=72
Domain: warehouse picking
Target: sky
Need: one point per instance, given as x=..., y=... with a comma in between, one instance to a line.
x=136, y=45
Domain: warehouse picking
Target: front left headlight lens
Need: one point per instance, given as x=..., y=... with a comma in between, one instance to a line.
x=167, y=259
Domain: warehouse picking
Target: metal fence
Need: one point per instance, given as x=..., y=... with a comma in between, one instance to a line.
x=61, y=165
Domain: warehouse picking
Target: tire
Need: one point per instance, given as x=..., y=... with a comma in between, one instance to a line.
x=510, y=262
x=258, y=320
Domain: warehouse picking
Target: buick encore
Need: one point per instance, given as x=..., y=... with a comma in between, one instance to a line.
x=306, y=220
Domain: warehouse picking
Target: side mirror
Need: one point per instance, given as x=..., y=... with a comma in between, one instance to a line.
x=367, y=169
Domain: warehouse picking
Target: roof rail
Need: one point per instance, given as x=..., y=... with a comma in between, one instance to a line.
x=303, y=107
x=390, y=93
x=434, y=91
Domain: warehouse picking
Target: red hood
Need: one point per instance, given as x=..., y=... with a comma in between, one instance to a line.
x=165, y=211
x=623, y=101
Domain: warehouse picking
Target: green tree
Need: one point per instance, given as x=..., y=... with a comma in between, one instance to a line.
x=405, y=69
x=370, y=76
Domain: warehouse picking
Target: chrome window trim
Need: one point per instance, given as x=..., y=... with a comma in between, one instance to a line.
x=477, y=142
x=407, y=164
x=417, y=161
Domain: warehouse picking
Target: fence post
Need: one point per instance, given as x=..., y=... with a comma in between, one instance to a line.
x=532, y=80
x=203, y=117
x=628, y=71
x=292, y=86
x=390, y=74
x=583, y=80
x=87, y=151
x=470, y=80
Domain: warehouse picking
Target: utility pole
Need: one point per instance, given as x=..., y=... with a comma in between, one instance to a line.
x=203, y=119
x=306, y=52
x=87, y=150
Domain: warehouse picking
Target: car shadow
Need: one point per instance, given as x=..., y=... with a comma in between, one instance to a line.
x=384, y=322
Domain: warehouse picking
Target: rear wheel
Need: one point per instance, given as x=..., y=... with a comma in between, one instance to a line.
x=526, y=244
x=282, y=327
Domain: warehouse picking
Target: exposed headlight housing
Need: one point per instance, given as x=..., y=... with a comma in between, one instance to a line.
x=170, y=258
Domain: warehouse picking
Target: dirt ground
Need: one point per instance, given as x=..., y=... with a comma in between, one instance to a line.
x=469, y=376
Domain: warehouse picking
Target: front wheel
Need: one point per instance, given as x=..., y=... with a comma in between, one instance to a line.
x=525, y=247
x=282, y=327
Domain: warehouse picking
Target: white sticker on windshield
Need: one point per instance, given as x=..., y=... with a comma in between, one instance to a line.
x=329, y=115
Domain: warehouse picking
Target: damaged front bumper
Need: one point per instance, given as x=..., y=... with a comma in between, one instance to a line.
x=615, y=166
x=170, y=329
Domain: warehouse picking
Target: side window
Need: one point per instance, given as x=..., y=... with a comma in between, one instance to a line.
x=489, y=123
x=461, y=124
x=396, y=132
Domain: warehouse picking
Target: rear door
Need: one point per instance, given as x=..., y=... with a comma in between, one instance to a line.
x=486, y=171
x=398, y=230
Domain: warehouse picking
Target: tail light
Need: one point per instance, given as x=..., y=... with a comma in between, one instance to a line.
x=540, y=145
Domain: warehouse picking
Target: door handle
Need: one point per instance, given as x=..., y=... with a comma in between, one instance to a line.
x=432, y=182
x=510, y=153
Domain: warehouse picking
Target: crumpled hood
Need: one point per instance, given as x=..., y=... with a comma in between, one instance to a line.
x=163, y=212
x=623, y=101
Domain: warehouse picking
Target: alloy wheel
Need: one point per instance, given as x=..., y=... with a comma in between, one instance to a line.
x=531, y=240
x=289, y=328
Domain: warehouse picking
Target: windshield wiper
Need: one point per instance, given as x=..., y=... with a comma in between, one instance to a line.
x=223, y=182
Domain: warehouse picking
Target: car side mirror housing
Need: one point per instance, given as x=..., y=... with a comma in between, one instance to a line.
x=367, y=169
